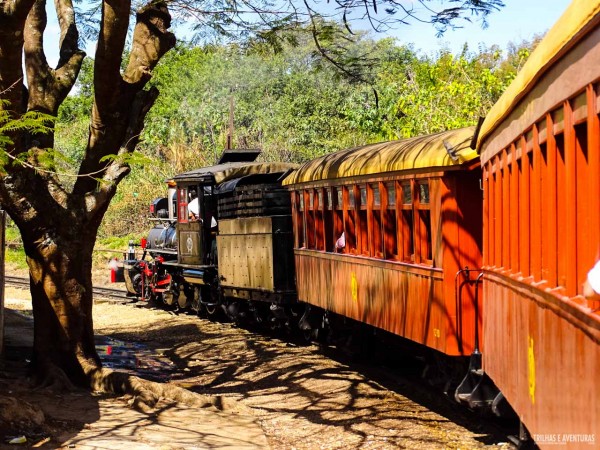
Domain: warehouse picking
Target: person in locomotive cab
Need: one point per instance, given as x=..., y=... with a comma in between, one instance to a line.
x=591, y=287
x=194, y=208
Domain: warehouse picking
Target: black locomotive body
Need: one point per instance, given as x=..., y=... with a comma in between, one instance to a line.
x=222, y=242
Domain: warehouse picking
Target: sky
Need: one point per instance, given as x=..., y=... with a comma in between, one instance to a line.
x=519, y=20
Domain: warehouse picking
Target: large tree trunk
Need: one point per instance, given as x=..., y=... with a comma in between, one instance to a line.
x=58, y=225
x=61, y=289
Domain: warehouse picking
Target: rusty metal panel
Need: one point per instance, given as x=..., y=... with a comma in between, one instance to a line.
x=400, y=298
x=190, y=243
x=253, y=225
x=245, y=249
x=543, y=353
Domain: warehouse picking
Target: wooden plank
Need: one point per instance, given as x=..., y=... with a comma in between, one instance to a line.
x=550, y=250
x=593, y=197
x=535, y=234
x=490, y=257
x=498, y=222
x=514, y=211
x=486, y=214
x=571, y=200
x=506, y=207
x=525, y=212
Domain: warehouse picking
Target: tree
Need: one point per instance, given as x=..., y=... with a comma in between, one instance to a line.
x=59, y=219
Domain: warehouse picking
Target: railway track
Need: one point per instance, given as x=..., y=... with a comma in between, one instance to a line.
x=100, y=293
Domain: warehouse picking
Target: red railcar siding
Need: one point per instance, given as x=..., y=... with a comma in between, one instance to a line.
x=542, y=354
x=541, y=337
x=416, y=301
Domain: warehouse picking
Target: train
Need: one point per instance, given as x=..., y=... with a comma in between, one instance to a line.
x=470, y=244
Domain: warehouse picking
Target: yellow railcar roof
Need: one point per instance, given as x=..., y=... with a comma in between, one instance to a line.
x=421, y=152
x=576, y=21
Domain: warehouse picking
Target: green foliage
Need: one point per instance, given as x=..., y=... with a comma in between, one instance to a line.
x=34, y=122
x=16, y=258
x=288, y=103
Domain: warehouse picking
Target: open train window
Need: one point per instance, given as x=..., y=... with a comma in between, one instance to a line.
x=309, y=214
x=423, y=222
x=182, y=204
x=390, y=229
x=363, y=225
x=339, y=237
x=319, y=225
x=374, y=203
x=299, y=219
x=407, y=223
x=349, y=220
x=327, y=209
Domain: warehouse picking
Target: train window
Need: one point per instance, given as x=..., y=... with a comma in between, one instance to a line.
x=423, y=193
x=349, y=220
x=390, y=230
x=339, y=202
x=391, y=193
x=338, y=221
x=407, y=223
x=375, y=220
x=362, y=225
x=319, y=222
x=299, y=219
x=425, y=235
x=406, y=193
x=309, y=215
x=363, y=197
x=182, y=202
x=376, y=195
x=423, y=224
x=328, y=220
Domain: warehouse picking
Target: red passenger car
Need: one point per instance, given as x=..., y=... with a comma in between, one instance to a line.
x=389, y=234
x=540, y=151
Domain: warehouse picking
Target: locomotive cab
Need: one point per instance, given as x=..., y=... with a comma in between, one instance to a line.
x=196, y=224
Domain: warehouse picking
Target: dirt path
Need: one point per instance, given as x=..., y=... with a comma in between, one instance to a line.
x=297, y=397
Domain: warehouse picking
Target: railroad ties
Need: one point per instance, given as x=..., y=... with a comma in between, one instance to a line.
x=101, y=294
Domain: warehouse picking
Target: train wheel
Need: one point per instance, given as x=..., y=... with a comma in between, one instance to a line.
x=195, y=304
x=210, y=302
x=184, y=299
x=169, y=297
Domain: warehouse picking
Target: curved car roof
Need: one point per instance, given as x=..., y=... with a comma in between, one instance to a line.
x=423, y=152
x=227, y=171
x=580, y=17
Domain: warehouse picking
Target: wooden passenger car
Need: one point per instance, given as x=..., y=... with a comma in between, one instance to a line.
x=408, y=214
x=540, y=151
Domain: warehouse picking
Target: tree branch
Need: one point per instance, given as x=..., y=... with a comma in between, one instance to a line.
x=117, y=123
x=151, y=40
x=69, y=36
x=36, y=66
x=107, y=66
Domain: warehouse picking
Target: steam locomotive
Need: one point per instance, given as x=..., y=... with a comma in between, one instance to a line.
x=471, y=243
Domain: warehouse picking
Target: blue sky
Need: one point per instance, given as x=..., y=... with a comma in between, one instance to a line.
x=518, y=20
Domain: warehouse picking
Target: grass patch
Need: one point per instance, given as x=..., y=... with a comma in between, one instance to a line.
x=16, y=258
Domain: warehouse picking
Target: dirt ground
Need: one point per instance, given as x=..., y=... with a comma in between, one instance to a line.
x=290, y=396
